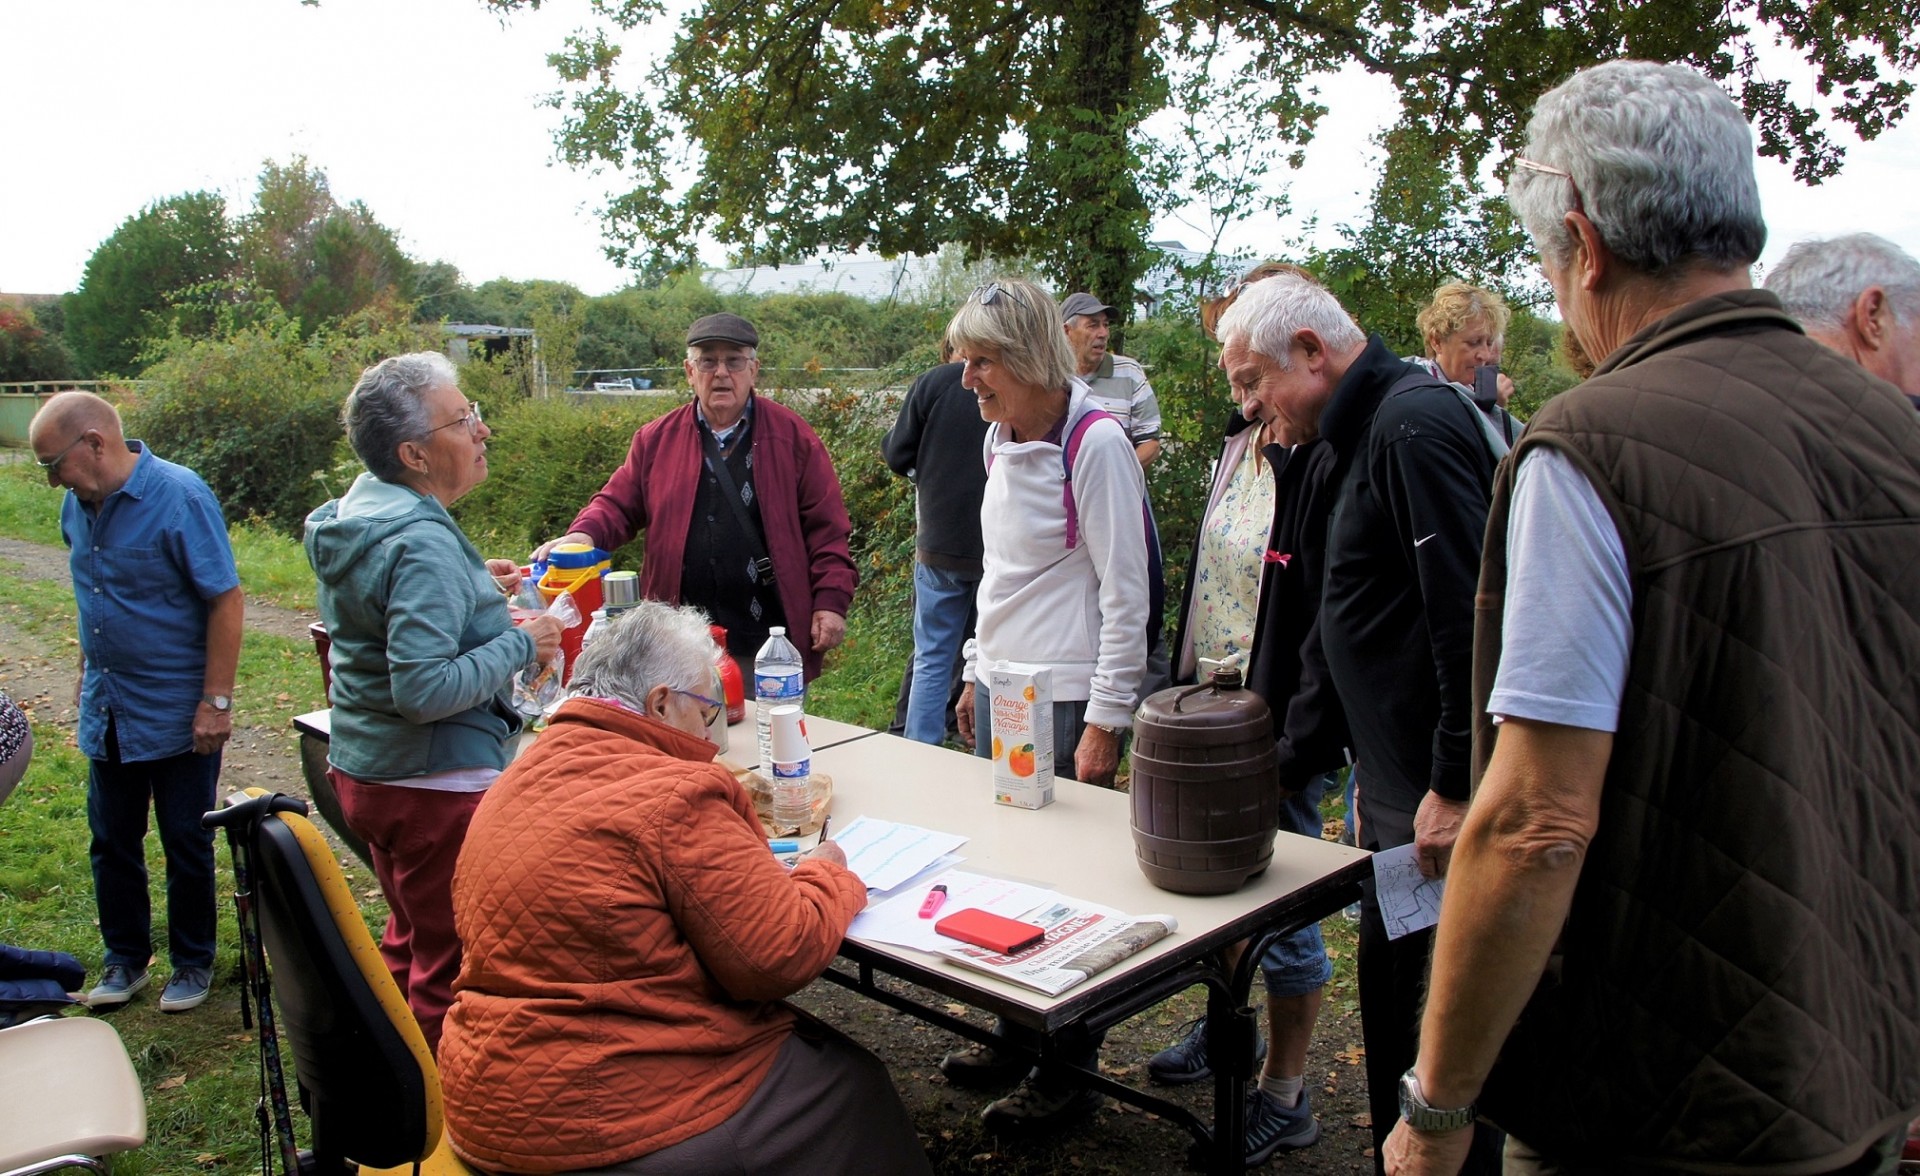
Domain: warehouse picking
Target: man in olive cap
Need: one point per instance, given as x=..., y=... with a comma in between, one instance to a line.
x=1119, y=384
x=740, y=504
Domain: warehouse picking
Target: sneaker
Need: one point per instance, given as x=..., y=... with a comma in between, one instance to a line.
x=117, y=986
x=186, y=989
x=1037, y=1104
x=1272, y=1127
x=978, y=1066
x=1186, y=1060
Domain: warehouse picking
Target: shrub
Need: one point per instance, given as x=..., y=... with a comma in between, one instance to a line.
x=257, y=412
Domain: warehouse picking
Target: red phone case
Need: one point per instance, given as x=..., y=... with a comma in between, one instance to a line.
x=988, y=930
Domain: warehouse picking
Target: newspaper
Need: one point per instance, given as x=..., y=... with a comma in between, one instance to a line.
x=1082, y=940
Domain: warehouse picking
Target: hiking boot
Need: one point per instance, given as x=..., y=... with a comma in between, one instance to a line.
x=979, y=1066
x=1038, y=1104
x=117, y=986
x=1186, y=1060
x=1272, y=1127
x=186, y=989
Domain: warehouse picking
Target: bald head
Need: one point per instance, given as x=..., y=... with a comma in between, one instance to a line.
x=76, y=438
x=72, y=413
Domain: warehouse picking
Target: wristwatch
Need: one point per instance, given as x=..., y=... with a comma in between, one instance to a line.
x=219, y=702
x=1113, y=731
x=1421, y=1117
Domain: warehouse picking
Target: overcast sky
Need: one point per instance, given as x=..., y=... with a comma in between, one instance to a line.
x=428, y=110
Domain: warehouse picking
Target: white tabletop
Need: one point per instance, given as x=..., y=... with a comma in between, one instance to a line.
x=1081, y=845
x=743, y=740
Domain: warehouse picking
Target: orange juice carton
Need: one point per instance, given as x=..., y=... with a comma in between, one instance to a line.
x=1020, y=697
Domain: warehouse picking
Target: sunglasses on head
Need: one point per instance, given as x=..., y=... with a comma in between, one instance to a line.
x=987, y=294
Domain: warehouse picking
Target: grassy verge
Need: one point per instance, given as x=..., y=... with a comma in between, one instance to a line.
x=199, y=1070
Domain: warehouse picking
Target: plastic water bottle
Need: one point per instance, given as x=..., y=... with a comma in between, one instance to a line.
x=792, y=770
x=778, y=680
x=595, y=628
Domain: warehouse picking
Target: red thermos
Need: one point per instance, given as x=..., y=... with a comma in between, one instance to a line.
x=729, y=676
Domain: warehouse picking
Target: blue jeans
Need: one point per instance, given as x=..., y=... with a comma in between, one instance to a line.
x=942, y=601
x=1297, y=964
x=181, y=789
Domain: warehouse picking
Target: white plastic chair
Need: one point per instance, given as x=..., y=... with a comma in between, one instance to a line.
x=68, y=1096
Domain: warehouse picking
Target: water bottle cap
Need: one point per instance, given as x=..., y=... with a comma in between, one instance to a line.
x=777, y=631
x=599, y=614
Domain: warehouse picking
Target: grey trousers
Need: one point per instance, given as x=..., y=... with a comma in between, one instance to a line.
x=826, y=1107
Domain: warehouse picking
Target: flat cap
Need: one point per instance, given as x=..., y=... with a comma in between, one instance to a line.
x=722, y=328
x=1082, y=303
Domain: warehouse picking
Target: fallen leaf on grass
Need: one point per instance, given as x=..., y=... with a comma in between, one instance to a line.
x=956, y=1008
x=1363, y=1119
x=980, y=1158
x=1353, y=1056
x=173, y=1083
x=208, y=1159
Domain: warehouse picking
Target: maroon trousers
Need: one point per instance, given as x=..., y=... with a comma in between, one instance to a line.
x=415, y=835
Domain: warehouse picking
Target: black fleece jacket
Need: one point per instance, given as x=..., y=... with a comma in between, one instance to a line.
x=1403, y=562
x=937, y=440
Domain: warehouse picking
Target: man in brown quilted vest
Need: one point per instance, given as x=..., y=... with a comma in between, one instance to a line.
x=1682, y=924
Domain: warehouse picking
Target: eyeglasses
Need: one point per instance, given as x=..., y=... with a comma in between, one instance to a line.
x=710, y=710
x=985, y=295
x=1521, y=163
x=52, y=464
x=734, y=364
x=471, y=420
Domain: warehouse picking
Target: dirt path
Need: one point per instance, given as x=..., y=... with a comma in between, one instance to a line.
x=37, y=670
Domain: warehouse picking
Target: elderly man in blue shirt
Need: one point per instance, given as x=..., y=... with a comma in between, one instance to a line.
x=160, y=611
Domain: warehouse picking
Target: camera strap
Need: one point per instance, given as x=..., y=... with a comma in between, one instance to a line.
x=729, y=490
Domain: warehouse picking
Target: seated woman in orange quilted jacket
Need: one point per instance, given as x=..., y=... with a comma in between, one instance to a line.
x=629, y=941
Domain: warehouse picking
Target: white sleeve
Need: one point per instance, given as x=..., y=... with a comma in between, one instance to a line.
x=1569, y=622
x=1108, y=489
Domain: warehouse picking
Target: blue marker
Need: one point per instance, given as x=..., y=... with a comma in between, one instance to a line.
x=784, y=846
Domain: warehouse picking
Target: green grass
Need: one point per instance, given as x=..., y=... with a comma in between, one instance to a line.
x=29, y=508
x=200, y=1070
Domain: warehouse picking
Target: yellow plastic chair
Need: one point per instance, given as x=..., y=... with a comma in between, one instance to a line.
x=68, y=1097
x=366, y=1078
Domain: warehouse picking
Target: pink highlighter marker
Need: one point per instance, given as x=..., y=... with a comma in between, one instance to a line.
x=936, y=898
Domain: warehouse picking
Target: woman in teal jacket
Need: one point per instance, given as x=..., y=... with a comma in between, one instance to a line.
x=423, y=657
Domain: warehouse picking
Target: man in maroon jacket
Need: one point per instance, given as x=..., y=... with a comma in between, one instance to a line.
x=740, y=504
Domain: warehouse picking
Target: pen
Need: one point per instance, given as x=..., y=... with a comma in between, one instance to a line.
x=936, y=898
x=825, y=823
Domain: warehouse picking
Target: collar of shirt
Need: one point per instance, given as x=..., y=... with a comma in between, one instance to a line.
x=722, y=437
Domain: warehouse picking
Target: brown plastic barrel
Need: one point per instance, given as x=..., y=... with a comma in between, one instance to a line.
x=1205, y=789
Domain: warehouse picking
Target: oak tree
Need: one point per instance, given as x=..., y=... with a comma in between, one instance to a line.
x=1025, y=127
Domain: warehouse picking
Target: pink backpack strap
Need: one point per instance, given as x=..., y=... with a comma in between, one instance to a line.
x=1068, y=452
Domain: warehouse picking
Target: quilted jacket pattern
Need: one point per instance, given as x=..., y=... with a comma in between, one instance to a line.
x=1737, y=984
x=628, y=940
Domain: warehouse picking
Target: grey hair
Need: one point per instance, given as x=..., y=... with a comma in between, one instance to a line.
x=1021, y=326
x=1817, y=281
x=1661, y=162
x=651, y=644
x=388, y=406
x=1269, y=313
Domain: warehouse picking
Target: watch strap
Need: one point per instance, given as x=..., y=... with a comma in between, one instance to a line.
x=219, y=702
x=1422, y=1117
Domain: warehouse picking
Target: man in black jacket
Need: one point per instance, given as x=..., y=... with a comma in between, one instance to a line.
x=1396, y=621
x=937, y=442
x=1287, y=669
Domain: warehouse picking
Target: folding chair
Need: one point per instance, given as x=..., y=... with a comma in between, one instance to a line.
x=366, y=1078
x=68, y=1097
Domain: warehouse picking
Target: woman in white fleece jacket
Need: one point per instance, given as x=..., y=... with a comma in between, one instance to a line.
x=1080, y=607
